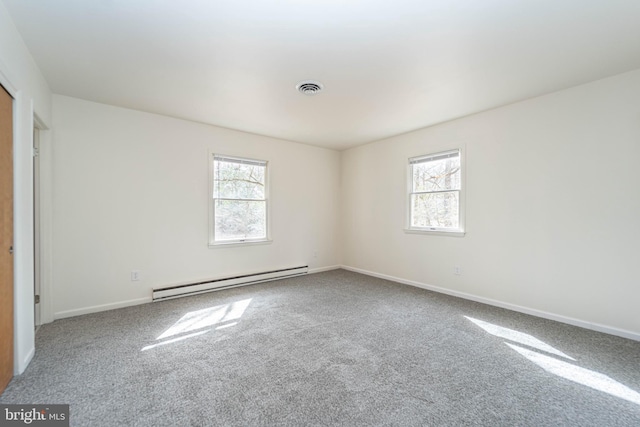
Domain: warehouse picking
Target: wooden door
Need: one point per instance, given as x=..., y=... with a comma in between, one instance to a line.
x=6, y=238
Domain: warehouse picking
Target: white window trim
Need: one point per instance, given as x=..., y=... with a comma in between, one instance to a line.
x=212, y=227
x=438, y=231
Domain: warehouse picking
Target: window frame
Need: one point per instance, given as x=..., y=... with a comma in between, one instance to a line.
x=442, y=231
x=212, y=208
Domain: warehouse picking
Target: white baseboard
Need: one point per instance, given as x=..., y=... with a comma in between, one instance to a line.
x=128, y=303
x=98, y=308
x=19, y=368
x=534, y=312
x=321, y=269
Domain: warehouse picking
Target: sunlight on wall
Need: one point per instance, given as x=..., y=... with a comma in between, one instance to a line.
x=566, y=370
x=207, y=317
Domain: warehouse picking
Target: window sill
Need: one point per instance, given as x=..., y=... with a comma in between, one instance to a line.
x=453, y=233
x=237, y=243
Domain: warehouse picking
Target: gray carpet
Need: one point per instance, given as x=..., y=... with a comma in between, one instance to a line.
x=335, y=348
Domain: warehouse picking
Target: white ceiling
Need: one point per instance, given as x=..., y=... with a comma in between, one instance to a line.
x=388, y=66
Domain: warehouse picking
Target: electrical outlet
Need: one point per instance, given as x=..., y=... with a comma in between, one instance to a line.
x=315, y=254
x=457, y=270
x=135, y=275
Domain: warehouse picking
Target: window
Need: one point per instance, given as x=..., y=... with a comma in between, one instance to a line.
x=435, y=193
x=239, y=201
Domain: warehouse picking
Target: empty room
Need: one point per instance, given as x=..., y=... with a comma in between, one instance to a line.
x=256, y=213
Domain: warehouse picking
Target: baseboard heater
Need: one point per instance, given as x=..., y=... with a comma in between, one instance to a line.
x=195, y=288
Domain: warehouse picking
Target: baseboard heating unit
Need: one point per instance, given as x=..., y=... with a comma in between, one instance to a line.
x=195, y=288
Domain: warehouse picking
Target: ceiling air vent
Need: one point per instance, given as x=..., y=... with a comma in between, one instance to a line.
x=309, y=87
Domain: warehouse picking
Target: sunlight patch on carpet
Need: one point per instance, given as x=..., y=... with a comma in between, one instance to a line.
x=184, y=337
x=199, y=319
x=587, y=377
x=519, y=337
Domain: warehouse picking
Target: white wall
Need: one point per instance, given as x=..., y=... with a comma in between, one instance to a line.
x=553, y=207
x=20, y=75
x=131, y=192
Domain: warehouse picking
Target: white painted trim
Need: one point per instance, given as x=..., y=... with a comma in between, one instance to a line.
x=27, y=359
x=23, y=327
x=46, y=225
x=323, y=269
x=5, y=81
x=455, y=233
x=138, y=301
x=462, y=201
x=236, y=243
x=38, y=122
x=213, y=244
x=531, y=311
x=99, y=308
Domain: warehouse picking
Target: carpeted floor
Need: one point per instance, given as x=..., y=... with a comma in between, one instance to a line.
x=335, y=348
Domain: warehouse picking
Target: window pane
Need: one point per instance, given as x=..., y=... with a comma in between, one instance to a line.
x=238, y=181
x=437, y=175
x=240, y=219
x=435, y=210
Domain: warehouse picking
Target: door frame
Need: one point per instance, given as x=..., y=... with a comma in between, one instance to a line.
x=45, y=217
x=15, y=94
x=8, y=251
x=37, y=269
x=24, y=118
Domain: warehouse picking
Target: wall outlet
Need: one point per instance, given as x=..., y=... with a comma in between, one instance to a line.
x=457, y=270
x=135, y=275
